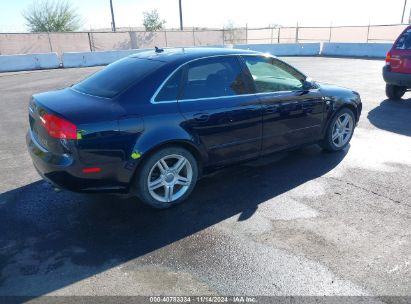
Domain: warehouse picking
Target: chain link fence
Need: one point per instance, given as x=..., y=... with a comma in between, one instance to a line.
x=26, y=43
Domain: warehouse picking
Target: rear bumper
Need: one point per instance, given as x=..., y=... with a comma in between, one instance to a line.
x=398, y=79
x=64, y=171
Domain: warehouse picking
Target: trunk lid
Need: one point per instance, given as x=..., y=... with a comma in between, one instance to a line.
x=74, y=107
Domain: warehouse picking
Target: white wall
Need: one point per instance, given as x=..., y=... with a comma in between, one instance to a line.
x=284, y=49
x=12, y=63
x=87, y=59
x=371, y=50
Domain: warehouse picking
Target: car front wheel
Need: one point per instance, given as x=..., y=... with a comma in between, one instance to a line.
x=394, y=92
x=340, y=131
x=167, y=177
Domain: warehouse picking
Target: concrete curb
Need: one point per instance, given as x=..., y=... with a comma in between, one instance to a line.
x=14, y=63
x=88, y=59
x=284, y=49
x=360, y=50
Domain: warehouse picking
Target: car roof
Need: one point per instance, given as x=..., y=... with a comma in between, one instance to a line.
x=182, y=55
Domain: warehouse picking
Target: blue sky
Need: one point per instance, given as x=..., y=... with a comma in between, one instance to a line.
x=216, y=13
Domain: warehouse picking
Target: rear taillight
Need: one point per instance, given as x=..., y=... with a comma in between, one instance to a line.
x=91, y=170
x=58, y=127
x=388, y=58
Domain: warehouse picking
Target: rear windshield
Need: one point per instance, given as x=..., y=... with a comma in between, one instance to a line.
x=404, y=42
x=117, y=76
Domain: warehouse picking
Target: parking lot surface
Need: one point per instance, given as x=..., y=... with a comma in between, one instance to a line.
x=298, y=223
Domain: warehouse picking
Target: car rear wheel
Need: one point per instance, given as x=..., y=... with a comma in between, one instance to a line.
x=394, y=92
x=167, y=177
x=340, y=131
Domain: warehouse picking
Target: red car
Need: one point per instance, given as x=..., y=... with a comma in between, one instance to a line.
x=397, y=71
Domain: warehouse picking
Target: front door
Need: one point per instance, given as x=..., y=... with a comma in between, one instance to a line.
x=292, y=115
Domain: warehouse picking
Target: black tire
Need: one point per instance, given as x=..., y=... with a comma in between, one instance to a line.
x=141, y=182
x=394, y=92
x=328, y=143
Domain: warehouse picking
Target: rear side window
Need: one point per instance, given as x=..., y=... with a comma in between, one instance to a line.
x=404, y=41
x=170, y=90
x=117, y=76
x=213, y=77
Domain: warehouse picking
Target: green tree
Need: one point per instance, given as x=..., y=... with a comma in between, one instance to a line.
x=152, y=21
x=52, y=16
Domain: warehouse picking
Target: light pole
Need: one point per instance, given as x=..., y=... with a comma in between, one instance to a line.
x=181, y=16
x=403, y=11
x=113, y=22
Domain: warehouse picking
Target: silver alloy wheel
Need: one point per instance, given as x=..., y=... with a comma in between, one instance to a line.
x=170, y=178
x=342, y=130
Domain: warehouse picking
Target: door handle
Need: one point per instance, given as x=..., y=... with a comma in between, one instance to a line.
x=271, y=108
x=201, y=117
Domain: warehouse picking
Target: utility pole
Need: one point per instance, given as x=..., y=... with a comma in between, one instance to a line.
x=403, y=11
x=113, y=22
x=181, y=15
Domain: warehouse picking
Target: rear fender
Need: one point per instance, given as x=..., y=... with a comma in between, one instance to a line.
x=152, y=140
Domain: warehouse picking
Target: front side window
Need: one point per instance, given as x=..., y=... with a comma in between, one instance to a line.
x=213, y=77
x=271, y=75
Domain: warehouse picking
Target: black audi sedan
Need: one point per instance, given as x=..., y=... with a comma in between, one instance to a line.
x=151, y=124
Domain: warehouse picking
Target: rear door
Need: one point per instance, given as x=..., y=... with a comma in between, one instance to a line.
x=401, y=53
x=220, y=111
x=291, y=115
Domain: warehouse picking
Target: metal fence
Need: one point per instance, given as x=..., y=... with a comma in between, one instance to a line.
x=371, y=33
x=26, y=43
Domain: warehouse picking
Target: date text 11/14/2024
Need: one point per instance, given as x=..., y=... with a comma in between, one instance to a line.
x=202, y=299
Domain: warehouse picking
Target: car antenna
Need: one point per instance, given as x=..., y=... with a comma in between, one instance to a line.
x=158, y=50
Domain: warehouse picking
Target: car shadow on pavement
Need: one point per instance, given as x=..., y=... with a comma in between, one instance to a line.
x=392, y=115
x=51, y=240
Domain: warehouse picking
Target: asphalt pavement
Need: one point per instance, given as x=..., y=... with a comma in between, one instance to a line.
x=298, y=223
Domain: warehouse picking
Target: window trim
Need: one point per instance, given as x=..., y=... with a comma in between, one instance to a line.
x=236, y=56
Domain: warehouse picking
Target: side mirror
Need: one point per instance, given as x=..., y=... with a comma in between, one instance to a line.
x=308, y=84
